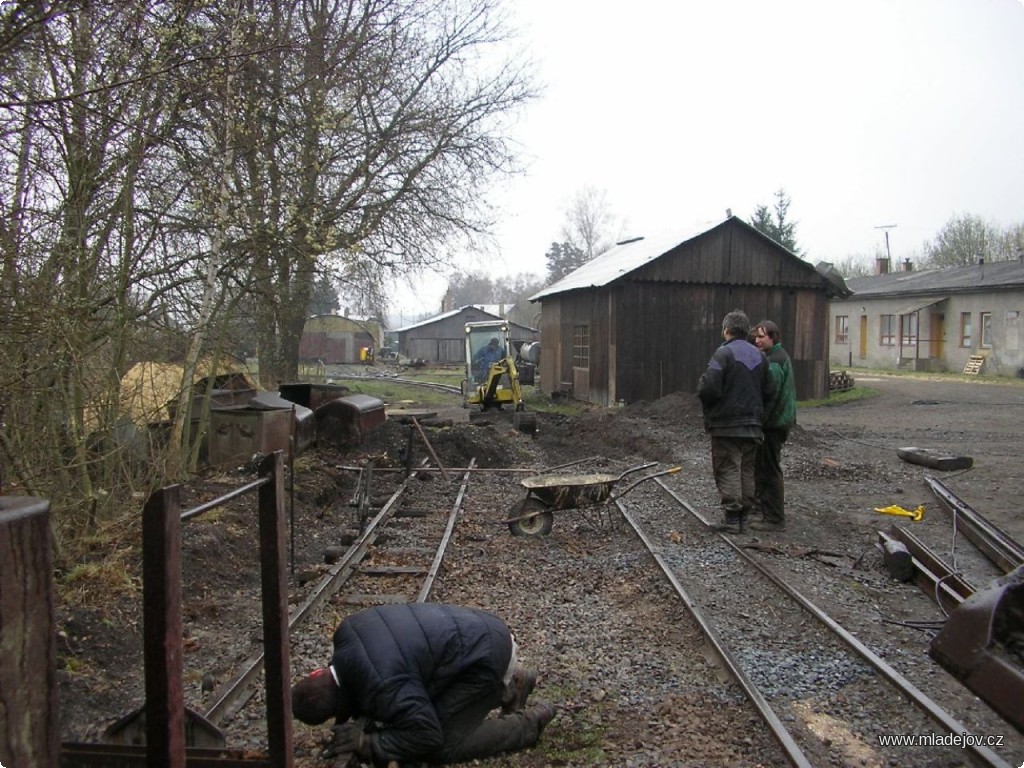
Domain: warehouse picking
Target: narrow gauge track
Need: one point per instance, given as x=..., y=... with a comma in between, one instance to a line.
x=811, y=681
x=396, y=558
x=448, y=388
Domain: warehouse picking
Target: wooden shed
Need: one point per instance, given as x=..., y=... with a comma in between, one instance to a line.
x=334, y=339
x=442, y=338
x=641, y=320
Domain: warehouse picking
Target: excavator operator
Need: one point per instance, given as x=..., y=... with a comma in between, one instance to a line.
x=485, y=357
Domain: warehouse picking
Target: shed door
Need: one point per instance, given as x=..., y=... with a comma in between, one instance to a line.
x=863, y=336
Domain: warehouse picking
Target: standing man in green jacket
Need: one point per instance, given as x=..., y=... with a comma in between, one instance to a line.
x=780, y=416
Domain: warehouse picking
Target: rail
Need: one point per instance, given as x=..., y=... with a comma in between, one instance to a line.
x=882, y=668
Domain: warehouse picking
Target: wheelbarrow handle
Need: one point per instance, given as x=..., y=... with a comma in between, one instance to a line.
x=645, y=478
x=631, y=470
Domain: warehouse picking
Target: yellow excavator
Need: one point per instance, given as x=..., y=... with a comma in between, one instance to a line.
x=492, y=381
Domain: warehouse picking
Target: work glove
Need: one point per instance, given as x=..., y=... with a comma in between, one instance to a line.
x=348, y=741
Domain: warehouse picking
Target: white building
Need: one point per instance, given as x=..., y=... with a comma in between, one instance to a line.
x=932, y=319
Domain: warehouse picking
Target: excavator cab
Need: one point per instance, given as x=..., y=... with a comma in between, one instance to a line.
x=492, y=381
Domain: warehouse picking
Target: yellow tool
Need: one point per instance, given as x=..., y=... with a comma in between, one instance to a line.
x=894, y=509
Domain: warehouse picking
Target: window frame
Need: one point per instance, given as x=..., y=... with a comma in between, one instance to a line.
x=887, y=326
x=581, y=346
x=842, y=329
x=985, y=321
x=909, y=329
x=966, y=330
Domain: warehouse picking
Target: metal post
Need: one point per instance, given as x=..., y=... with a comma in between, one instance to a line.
x=161, y=612
x=29, y=722
x=274, y=578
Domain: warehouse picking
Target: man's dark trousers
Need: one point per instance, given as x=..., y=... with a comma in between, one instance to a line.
x=771, y=490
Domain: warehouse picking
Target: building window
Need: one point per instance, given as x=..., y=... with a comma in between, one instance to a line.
x=842, y=329
x=965, y=329
x=986, y=330
x=908, y=328
x=581, y=346
x=887, y=330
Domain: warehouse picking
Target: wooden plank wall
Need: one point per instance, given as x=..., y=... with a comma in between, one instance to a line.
x=653, y=333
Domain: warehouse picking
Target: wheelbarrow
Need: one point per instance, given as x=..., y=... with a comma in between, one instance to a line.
x=546, y=494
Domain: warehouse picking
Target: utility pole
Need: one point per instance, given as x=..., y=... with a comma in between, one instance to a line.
x=886, y=228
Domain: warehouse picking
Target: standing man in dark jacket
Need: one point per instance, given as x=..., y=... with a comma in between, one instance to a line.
x=419, y=680
x=733, y=393
x=779, y=419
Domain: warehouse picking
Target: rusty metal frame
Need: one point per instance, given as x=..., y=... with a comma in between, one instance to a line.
x=933, y=575
x=162, y=636
x=997, y=545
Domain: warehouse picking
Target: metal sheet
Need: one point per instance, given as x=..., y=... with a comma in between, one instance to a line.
x=919, y=305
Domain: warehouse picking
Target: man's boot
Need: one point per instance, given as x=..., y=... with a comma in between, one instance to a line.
x=733, y=522
x=541, y=713
x=518, y=690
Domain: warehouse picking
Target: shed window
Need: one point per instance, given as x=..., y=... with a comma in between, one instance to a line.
x=842, y=329
x=908, y=328
x=965, y=329
x=887, y=330
x=581, y=346
x=986, y=330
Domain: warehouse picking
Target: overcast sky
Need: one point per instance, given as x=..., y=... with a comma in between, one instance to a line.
x=866, y=112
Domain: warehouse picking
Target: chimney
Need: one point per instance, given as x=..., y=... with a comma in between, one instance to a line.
x=908, y=266
x=728, y=213
x=881, y=265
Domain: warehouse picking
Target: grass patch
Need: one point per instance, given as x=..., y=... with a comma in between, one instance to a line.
x=88, y=584
x=840, y=398
x=873, y=373
x=393, y=392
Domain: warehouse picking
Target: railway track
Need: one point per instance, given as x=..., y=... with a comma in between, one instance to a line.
x=395, y=558
x=815, y=695
x=808, y=677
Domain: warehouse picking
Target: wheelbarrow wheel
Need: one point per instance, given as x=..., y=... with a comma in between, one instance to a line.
x=539, y=521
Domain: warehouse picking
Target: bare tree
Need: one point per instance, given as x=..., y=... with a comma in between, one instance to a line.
x=963, y=240
x=1010, y=244
x=372, y=129
x=82, y=219
x=180, y=172
x=590, y=225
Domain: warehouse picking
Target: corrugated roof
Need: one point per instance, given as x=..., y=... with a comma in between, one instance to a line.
x=621, y=260
x=977, y=277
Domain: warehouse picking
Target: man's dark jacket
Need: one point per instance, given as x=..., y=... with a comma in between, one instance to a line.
x=734, y=389
x=409, y=667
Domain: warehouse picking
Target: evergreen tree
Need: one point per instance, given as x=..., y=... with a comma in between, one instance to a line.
x=775, y=223
x=562, y=259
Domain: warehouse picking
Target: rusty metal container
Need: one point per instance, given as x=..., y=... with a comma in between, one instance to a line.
x=225, y=390
x=304, y=428
x=344, y=421
x=312, y=395
x=980, y=645
x=239, y=432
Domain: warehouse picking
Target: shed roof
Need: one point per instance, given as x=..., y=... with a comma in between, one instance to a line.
x=630, y=255
x=997, y=275
x=460, y=310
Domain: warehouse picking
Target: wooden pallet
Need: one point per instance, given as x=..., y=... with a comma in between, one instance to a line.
x=839, y=381
x=974, y=363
